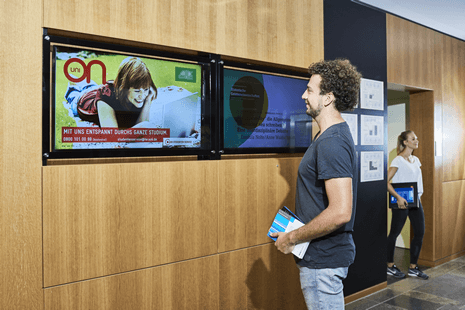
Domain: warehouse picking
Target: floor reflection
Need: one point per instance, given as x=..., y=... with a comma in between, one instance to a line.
x=445, y=289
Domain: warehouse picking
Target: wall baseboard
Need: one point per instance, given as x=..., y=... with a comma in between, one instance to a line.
x=365, y=292
x=441, y=261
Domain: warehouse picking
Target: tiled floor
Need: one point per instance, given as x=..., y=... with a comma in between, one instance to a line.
x=445, y=289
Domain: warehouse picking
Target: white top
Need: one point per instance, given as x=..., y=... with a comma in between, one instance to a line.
x=408, y=172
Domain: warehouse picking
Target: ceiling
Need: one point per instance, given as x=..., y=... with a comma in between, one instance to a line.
x=446, y=16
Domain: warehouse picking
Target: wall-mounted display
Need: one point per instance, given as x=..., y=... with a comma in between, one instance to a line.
x=264, y=112
x=110, y=100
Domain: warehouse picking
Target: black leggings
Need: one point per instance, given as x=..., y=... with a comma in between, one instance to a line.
x=417, y=219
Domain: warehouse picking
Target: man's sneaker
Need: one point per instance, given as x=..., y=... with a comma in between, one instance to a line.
x=394, y=271
x=415, y=272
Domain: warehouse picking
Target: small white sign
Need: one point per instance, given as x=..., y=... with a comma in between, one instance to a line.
x=371, y=166
x=351, y=120
x=371, y=94
x=371, y=130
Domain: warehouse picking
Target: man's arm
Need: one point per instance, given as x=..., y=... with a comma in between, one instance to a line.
x=337, y=214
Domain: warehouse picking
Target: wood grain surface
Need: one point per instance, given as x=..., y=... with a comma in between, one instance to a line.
x=282, y=32
x=20, y=155
x=251, y=192
x=423, y=59
x=106, y=219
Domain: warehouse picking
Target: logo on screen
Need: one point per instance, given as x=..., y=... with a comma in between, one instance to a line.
x=185, y=75
x=85, y=70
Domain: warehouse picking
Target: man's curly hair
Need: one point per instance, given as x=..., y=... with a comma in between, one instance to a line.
x=341, y=78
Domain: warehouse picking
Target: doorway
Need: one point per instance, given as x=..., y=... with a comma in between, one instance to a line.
x=398, y=121
x=409, y=108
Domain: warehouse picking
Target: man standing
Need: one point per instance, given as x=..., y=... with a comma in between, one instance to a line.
x=326, y=187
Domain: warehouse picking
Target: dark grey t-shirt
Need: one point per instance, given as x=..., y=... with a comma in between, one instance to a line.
x=332, y=155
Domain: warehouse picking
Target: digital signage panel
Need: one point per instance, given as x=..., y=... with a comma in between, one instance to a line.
x=264, y=112
x=115, y=100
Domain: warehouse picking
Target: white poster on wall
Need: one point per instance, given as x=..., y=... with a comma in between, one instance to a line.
x=372, y=94
x=351, y=120
x=371, y=130
x=371, y=166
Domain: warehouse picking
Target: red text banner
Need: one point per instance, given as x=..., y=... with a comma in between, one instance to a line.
x=86, y=135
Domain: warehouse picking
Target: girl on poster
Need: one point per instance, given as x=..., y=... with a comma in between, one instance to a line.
x=122, y=103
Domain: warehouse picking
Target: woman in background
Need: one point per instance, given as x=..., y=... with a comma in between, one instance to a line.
x=122, y=103
x=406, y=168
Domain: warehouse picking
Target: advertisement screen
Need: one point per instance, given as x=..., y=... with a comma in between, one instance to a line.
x=109, y=100
x=264, y=111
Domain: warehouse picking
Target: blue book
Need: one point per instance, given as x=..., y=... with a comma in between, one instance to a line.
x=286, y=221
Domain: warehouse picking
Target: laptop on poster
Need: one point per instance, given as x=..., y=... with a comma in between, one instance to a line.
x=408, y=191
x=181, y=116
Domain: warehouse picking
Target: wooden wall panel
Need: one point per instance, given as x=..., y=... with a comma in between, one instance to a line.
x=105, y=219
x=440, y=61
x=259, y=278
x=283, y=32
x=20, y=155
x=422, y=123
x=438, y=177
x=454, y=109
x=453, y=220
x=422, y=58
x=411, y=53
x=186, y=285
x=251, y=192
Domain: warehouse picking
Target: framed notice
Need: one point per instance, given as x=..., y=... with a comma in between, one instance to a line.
x=371, y=166
x=372, y=130
x=351, y=120
x=371, y=94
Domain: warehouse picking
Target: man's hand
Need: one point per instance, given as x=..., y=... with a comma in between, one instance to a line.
x=283, y=243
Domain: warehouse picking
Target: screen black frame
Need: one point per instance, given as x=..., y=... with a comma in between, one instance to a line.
x=48, y=100
x=255, y=68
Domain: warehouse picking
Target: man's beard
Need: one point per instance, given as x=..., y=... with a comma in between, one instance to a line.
x=314, y=112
